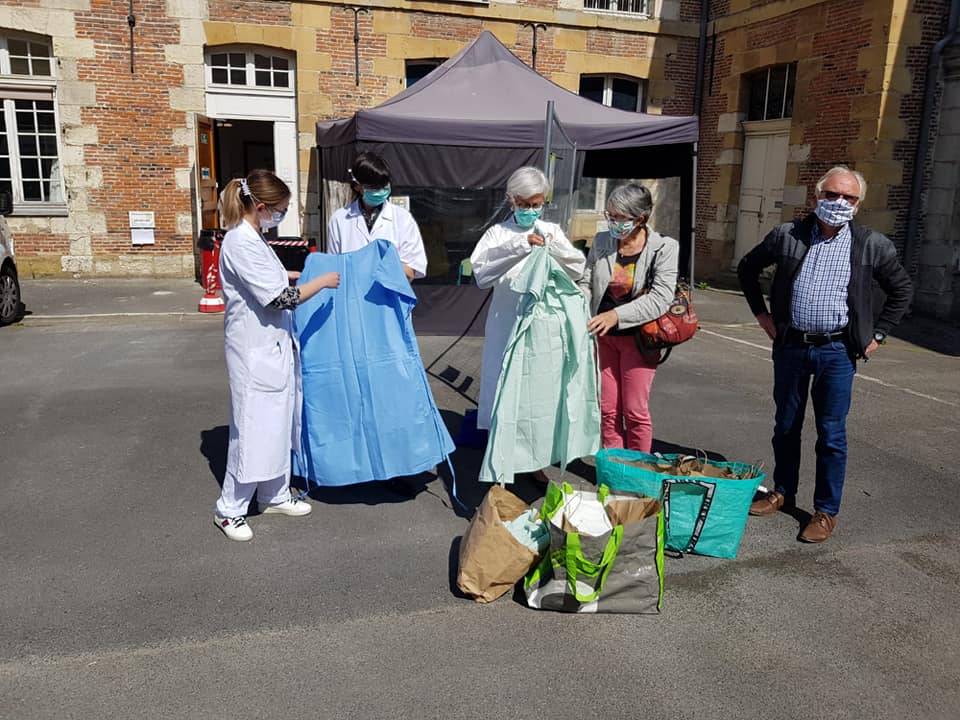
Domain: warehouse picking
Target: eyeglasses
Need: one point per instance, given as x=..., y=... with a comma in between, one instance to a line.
x=617, y=218
x=524, y=205
x=830, y=195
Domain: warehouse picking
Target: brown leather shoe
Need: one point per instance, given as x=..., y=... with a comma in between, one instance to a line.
x=769, y=504
x=819, y=528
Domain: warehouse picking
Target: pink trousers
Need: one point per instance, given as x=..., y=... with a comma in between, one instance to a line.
x=626, y=376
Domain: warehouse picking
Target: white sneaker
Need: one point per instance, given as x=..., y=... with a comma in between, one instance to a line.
x=293, y=507
x=234, y=528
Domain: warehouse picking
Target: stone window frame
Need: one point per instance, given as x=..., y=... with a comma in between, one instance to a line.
x=602, y=184
x=626, y=8
x=250, y=69
x=764, y=77
x=25, y=96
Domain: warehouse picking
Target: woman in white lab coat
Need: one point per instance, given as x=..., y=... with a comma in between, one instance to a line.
x=261, y=353
x=500, y=256
x=370, y=217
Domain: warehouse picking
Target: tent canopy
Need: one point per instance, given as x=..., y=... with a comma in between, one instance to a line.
x=486, y=97
x=453, y=139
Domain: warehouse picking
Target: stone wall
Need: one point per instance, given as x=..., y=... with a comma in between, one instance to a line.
x=938, y=277
x=860, y=74
x=128, y=139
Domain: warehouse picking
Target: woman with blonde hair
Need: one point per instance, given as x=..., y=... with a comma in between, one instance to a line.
x=261, y=353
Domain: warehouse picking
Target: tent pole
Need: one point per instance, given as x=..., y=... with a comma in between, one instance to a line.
x=548, y=139
x=573, y=192
x=322, y=245
x=693, y=215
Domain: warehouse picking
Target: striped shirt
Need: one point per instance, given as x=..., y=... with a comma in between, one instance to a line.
x=819, y=303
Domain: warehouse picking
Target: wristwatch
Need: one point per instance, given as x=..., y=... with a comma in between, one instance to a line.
x=880, y=337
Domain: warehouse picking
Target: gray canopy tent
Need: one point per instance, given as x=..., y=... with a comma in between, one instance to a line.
x=481, y=114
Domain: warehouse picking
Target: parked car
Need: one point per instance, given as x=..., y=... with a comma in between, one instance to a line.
x=11, y=307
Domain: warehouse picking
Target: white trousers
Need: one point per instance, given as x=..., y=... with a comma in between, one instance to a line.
x=235, y=497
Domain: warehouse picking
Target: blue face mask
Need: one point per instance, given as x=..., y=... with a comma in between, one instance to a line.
x=526, y=217
x=620, y=230
x=275, y=219
x=376, y=198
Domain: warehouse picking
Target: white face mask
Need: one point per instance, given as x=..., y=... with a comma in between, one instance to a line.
x=835, y=213
x=275, y=219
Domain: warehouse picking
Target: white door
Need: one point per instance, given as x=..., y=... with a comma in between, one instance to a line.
x=761, y=183
x=285, y=159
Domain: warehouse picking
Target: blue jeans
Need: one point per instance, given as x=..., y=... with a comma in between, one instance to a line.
x=831, y=369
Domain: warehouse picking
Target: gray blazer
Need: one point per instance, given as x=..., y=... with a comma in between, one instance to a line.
x=643, y=308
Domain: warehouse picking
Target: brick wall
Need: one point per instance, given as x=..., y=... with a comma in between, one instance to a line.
x=127, y=139
x=860, y=73
x=134, y=125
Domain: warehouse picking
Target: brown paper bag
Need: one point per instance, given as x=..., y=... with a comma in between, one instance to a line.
x=492, y=560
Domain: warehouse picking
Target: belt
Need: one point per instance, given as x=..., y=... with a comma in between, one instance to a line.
x=808, y=338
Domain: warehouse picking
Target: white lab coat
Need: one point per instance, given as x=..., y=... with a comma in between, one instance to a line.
x=347, y=231
x=263, y=359
x=497, y=259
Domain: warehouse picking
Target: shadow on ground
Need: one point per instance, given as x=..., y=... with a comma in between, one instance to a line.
x=930, y=334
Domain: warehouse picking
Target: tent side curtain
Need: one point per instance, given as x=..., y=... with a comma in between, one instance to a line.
x=420, y=165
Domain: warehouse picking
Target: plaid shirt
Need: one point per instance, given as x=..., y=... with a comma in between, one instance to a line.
x=819, y=303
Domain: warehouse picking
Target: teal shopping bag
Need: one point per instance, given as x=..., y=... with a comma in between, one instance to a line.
x=704, y=515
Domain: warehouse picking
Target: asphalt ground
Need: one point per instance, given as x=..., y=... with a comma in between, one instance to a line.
x=121, y=600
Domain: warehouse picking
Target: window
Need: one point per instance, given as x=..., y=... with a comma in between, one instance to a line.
x=771, y=92
x=29, y=134
x=633, y=7
x=623, y=93
x=246, y=68
x=419, y=69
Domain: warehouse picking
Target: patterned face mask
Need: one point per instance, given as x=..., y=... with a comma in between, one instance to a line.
x=620, y=230
x=835, y=213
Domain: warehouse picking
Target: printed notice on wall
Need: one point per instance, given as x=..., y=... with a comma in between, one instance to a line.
x=142, y=223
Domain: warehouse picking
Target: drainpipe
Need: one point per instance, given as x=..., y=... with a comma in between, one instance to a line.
x=911, y=243
x=697, y=108
x=702, y=57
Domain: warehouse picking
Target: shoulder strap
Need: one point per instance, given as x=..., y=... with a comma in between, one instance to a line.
x=648, y=284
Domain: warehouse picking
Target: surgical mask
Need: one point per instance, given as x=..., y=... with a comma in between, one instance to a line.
x=620, y=230
x=276, y=218
x=376, y=198
x=835, y=213
x=526, y=217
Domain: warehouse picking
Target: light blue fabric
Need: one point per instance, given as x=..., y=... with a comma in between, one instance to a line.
x=368, y=413
x=547, y=406
x=529, y=530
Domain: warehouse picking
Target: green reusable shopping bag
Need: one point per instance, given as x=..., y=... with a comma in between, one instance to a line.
x=704, y=515
x=619, y=571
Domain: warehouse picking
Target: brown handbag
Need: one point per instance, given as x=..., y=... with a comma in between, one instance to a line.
x=677, y=325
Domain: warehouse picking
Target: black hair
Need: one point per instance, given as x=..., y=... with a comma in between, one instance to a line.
x=370, y=170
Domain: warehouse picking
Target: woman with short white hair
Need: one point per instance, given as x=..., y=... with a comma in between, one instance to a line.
x=499, y=257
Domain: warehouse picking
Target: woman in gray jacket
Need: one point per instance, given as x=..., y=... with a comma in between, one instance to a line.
x=629, y=280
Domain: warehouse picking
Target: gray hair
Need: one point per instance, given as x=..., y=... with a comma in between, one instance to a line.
x=843, y=170
x=527, y=182
x=632, y=200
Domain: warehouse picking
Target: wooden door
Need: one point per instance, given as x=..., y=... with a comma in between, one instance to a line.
x=761, y=182
x=207, y=174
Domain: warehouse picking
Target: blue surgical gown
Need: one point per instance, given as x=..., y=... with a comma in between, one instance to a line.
x=368, y=413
